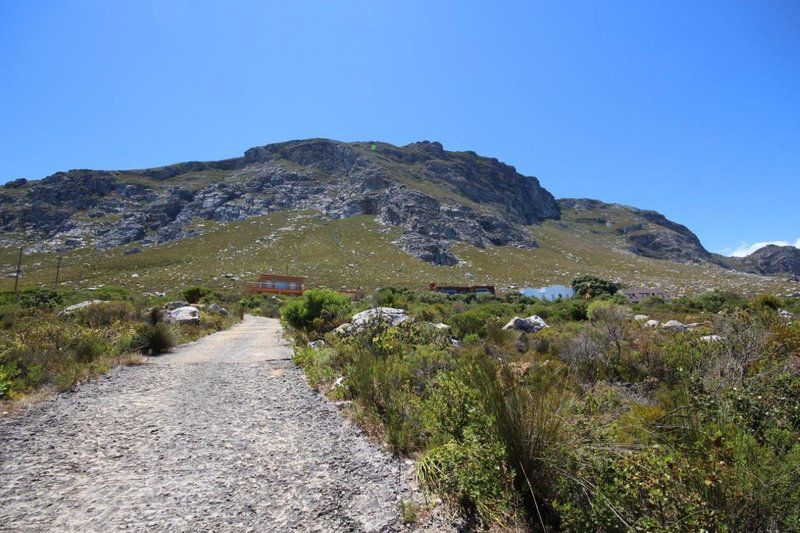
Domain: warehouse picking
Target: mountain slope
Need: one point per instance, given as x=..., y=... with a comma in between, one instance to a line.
x=352, y=215
x=437, y=197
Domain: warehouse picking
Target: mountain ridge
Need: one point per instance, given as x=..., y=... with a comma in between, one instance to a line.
x=438, y=198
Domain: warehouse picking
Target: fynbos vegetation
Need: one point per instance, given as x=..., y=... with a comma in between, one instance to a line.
x=47, y=343
x=612, y=418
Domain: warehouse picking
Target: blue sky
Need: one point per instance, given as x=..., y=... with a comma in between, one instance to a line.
x=690, y=108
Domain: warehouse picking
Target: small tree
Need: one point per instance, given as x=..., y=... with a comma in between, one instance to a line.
x=592, y=286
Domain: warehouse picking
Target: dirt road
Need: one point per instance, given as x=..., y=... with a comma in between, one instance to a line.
x=224, y=434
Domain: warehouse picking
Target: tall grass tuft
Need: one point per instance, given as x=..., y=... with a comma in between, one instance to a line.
x=154, y=339
x=529, y=424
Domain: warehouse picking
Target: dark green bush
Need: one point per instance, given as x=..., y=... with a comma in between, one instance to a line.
x=89, y=347
x=592, y=286
x=193, y=294
x=318, y=309
x=40, y=298
x=475, y=319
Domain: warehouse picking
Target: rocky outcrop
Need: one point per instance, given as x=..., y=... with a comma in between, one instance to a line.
x=532, y=324
x=647, y=233
x=775, y=260
x=437, y=197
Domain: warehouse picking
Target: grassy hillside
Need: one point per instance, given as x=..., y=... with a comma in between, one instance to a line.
x=358, y=254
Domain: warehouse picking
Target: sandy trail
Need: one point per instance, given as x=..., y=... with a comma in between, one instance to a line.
x=224, y=434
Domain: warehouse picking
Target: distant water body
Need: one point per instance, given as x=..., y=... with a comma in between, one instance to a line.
x=553, y=292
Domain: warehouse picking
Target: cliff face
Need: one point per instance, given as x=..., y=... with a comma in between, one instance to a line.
x=437, y=197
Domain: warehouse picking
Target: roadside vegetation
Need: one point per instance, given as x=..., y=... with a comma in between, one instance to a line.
x=42, y=347
x=599, y=422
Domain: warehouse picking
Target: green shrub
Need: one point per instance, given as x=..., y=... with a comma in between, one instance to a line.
x=40, y=298
x=317, y=365
x=89, y=347
x=592, y=286
x=472, y=474
x=768, y=301
x=647, y=490
x=193, y=294
x=318, y=310
x=104, y=314
x=475, y=319
x=113, y=292
x=8, y=372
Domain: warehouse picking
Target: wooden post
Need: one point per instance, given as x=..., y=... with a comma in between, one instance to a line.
x=58, y=272
x=19, y=270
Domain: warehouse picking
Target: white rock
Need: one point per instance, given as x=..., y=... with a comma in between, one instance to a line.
x=390, y=315
x=317, y=345
x=72, y=308
x=442, y=326
x=652, y=323
x=345, y=329
x=673, y=325
x=641, y=318
x=532, y=324
x=711, y=338
x=786, y=315
x=185, y=315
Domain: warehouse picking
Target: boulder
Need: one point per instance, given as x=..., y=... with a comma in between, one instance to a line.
x=184, y=315
x=174, y=305
x=218, y=309
x=345, y=329
x=390, y=315
x=641, y=318
x=532, y=324
x=652, y=324
x=72, y=308
x=317, y=345
x=673, y=325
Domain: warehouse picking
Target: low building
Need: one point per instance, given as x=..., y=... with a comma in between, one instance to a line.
x=553, y=292
x=638, y=294
x=275, y=284
x=462, y=289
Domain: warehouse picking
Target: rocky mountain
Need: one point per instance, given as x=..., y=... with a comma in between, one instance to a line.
x=774, y=260
x=436, y=196
x=646, y=233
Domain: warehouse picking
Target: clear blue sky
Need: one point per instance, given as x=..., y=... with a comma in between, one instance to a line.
x=690, y=108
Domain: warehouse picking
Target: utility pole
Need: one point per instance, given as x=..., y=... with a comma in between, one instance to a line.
x=58, y=271
x=19, y=270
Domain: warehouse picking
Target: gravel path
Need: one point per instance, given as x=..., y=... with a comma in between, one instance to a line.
x=224, y=434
